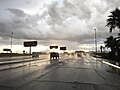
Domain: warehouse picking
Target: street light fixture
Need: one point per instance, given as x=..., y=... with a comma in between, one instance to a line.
x=95, y=41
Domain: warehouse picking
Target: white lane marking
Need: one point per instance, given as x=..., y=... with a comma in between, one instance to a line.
x=111, y=64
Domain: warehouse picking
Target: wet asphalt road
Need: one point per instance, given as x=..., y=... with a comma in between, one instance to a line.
x=83, y=73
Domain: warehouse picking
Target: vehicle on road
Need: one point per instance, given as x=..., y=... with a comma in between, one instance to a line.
x=35, y=55
x=54, y=56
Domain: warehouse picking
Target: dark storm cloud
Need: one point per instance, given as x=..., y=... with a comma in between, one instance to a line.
x=90, y=16
x=17, y=12
x=72, y=21
x=23, y=25
x=68, y=9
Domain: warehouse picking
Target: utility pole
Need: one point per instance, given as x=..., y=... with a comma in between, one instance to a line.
x=95, y=41
x=11, y=41
x=30, y=50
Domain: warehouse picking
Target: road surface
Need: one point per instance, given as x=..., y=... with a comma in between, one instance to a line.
x=84, y=73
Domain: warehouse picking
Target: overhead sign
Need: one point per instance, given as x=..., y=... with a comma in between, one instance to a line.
x=62, y=48
x=6, y=49
x=30, y=43
x=55, y=47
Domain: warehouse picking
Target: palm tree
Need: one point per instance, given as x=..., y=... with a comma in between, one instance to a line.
x=114, y=20
x=111, y=43
x=118, y=46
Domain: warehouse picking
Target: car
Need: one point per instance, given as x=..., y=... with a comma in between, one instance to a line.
x=35, y=55
x=54, y=55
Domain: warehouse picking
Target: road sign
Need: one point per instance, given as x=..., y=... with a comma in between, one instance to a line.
x=6, y=49
x=62, y=48
x=30, y=43
x=55, y=47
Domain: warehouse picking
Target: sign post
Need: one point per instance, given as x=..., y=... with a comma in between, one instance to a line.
x=63, y=48
x=30, y=44
x=6, y=49
x=55, y=47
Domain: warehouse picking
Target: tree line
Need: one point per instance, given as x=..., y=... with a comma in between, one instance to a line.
x=113, y=42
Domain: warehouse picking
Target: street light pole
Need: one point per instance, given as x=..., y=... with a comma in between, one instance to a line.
x=11, y=41
x=95, y=41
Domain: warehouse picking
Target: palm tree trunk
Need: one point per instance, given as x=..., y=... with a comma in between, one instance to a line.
x=113, y=53
x=118, y=55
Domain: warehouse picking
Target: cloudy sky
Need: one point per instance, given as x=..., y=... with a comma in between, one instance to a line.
x=68, y=23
